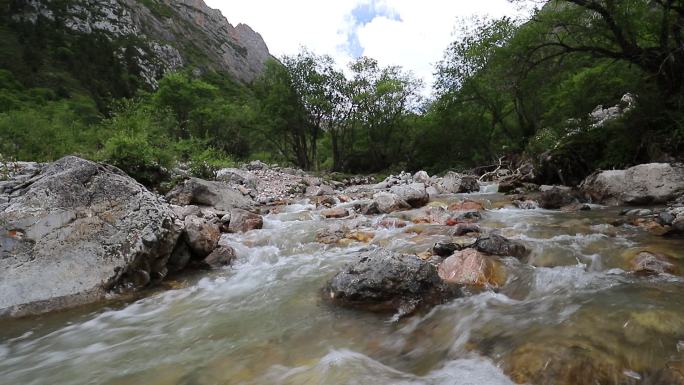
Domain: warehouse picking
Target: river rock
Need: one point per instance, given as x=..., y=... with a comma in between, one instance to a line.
x=218, y=195
x=651, y=183
x=495, y=244
x=651, y=263
x=666, y=218
x=237, y=176
x=184, y=211
x=414, y=194
x=466, y=205
x=316, y=191
x=255, y=165
x=386, y=203
x=77, y=230
x=421, y=177
x=382, y=280
x=201, y=236
x=242, y=221
x=337, y=212
x=467, y=228
x=453, y=183
x=220, y=257
x=556, y=198
x=445, y=249
x=678, y=224
x=472, y=268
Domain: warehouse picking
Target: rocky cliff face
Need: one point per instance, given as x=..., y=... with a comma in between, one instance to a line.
x=165, y=35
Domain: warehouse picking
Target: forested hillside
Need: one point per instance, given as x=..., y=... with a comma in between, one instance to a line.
x=520, y=89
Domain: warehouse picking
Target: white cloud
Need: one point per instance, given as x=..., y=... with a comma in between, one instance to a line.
x=409, y=33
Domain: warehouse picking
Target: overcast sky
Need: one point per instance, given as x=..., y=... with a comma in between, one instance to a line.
x=409, y=33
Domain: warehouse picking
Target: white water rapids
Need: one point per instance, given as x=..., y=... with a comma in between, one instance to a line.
x=262, y=320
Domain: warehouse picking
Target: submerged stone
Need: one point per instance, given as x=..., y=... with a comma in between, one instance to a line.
x=470, y=267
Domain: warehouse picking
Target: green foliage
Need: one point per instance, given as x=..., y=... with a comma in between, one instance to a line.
x=48, y=132
x=504, y=87
x=139, y=144
x=205, y=163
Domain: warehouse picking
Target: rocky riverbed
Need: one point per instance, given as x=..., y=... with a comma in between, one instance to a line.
x=274, y=276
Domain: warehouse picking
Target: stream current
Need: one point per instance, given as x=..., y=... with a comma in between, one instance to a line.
x=570, y=314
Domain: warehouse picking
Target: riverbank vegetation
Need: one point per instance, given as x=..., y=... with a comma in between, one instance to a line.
x=519, y=89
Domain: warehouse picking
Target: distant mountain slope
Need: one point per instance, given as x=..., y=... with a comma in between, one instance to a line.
x=111, y=48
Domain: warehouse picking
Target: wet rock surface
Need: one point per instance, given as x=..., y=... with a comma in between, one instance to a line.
x=555, y=198
x=470, y=267
x=243, y=220
x=651, y=263
x=495, y=244
x=643, y=184
x=219, y=195
x=382, y=280
x=76, y=230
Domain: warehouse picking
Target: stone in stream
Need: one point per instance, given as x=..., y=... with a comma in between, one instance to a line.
x=666, y=218
x=651, y=263
x=200, y=236
x=466, y=205
x=472, y=268
x=644, y=184
x=414, y=194
x=242, y=221
x=495, y=244
x=422, y=177
x=382, y=280
x=315, y=191
x=386, y=203
x=454, y=183
x=337, y=212
x=218, y=195
x=220, y=257
x=678, y=224
x=556, y=198
x=444, y=249
x=467, y=228
x=77, y=230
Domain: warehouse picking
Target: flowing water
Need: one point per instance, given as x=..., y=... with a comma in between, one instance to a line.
x=570, y=315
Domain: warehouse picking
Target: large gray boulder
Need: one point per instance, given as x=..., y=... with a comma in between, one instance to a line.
x=77, y=230
x=454, y=183
x=218, y=195
x=382, y=280
x=650, y=183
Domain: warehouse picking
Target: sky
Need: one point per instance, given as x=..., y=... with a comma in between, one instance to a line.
x=409, y=33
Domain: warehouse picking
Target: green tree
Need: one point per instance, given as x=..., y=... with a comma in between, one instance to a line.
x=284, y=118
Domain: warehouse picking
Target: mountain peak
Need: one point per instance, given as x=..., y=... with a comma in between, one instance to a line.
x=168, y=34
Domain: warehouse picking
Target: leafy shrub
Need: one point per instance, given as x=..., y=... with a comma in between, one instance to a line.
x=206, y=163
x=204, y=160
x=139, y=144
